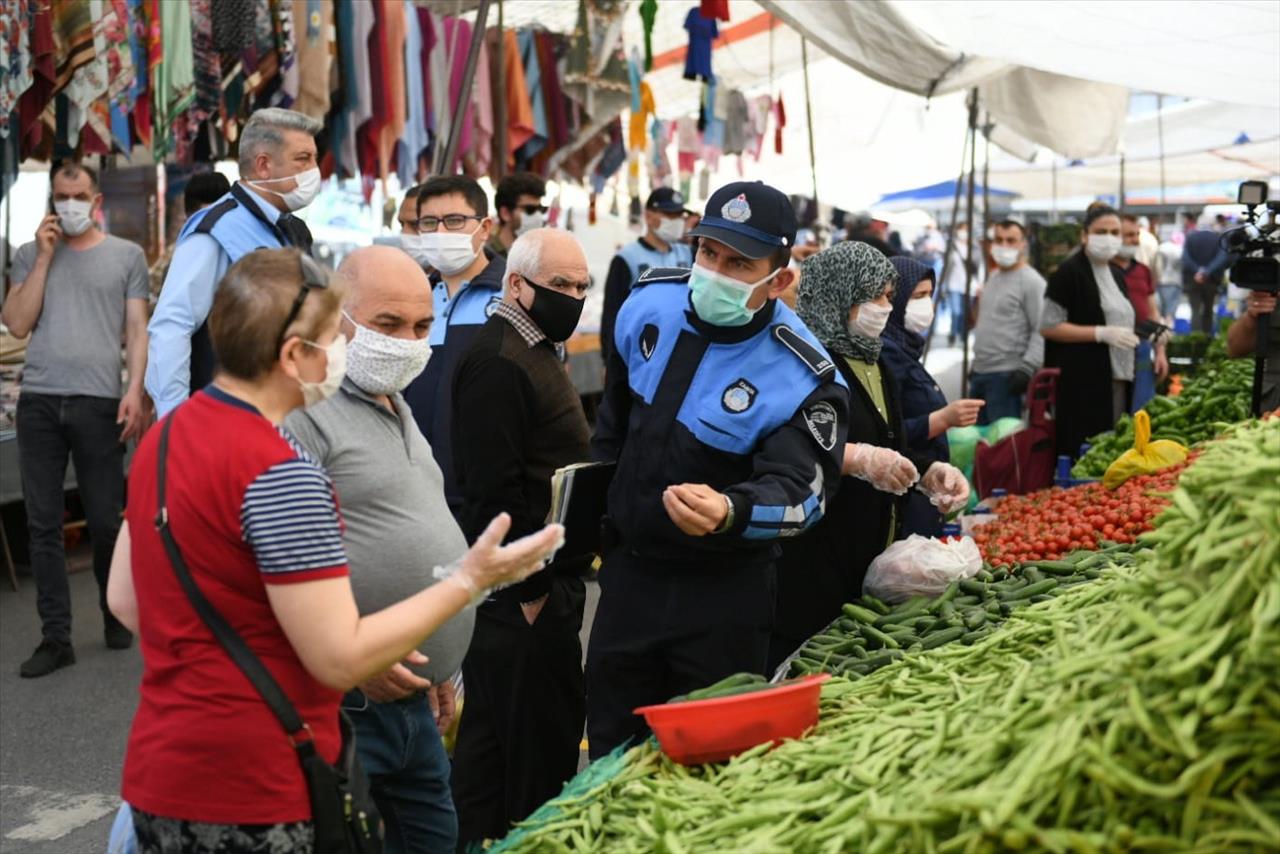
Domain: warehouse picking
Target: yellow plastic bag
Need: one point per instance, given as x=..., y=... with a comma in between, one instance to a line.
x=1145, y=456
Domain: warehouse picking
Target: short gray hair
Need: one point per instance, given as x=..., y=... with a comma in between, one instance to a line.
x=524, y=258
x=264, y=131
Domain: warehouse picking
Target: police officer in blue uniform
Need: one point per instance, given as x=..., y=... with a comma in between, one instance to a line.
x=727, y=419
x=278, y=175
x=660, y=247
x=453, y=227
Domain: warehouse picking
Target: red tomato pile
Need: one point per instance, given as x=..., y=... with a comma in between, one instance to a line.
x=1048, y=524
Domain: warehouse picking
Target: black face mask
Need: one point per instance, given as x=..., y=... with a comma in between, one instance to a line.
x=555, y=313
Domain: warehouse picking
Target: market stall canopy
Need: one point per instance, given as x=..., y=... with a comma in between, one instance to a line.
x=1048, y=73
x=935, y=196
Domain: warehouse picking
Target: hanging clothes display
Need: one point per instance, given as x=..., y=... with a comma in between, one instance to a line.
x=660, y=162
x=736, y=123
x=478, y=157
x=702, y=32
x=520, y=126
x=780, y=122
x=760, y=109
x=16, y=72
x=360, y=95
x=714, y=9
x=313, y=29
x=648, y=12
x=415, y=137
x=537, y=100
x=549, y=59
x=394, y=33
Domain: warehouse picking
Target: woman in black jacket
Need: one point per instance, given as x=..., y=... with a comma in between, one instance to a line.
x=844, y=299
x=1087, y=326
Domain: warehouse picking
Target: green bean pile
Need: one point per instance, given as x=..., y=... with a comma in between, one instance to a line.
x=1140, y=712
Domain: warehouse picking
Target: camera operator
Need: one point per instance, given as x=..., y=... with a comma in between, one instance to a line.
x=1243, y=333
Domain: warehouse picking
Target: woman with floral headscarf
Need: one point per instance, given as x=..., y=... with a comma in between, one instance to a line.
x=844, y=299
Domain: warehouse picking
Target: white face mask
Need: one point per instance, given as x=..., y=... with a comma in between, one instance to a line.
x=871, y=320
x=1005, y=256
x=918, y=316
x=74, y=216
x=413, y=244
x=530, y=221
x=1126, y=251
x=450, y=252
x=670, y=230
x=335, y=370
x=1102, y=247
x=300, y=196
x=380, y=364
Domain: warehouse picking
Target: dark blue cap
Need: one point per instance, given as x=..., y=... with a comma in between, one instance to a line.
x=749, y=217
x=665, y=199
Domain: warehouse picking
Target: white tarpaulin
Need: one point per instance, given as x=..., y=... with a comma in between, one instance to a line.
x=1056, y=74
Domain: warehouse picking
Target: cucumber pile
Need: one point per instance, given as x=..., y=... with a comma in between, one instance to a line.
x=870, y=634
x=1216, y=396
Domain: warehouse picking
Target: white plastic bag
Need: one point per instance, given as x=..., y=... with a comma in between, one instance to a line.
x=920, y=566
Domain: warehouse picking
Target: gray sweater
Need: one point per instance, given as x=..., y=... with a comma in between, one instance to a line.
x=391, y=497
x=1007, y=336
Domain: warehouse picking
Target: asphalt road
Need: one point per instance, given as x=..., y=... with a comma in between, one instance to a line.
x=62, y=737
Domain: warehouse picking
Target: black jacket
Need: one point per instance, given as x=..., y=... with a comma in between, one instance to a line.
x=823, y=569
x=1083, y=407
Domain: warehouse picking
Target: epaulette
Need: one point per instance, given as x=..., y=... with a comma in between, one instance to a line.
x=213, y=214
x=662, y=274
x=816, y=360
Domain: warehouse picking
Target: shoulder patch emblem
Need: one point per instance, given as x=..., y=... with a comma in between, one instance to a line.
x=820, y=418
x=648, y=341
x=736, y=210
x=663, y=274
x=819, y=362
x=738, y=397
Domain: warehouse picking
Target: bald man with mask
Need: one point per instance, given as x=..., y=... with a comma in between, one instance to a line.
x=398, y=528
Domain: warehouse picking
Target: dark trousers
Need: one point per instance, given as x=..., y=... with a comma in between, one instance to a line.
x=1203, y=299
x=520, y=732
x=401, y=752
x=1001, y=401
x=661, y=631
x=52, y=428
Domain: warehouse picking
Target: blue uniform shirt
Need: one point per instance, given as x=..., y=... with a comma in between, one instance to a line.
x=757, y=412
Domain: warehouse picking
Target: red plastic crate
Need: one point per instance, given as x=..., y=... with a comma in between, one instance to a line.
x=714, y=730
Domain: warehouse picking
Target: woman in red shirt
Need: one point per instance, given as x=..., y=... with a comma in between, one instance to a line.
x=208, y=767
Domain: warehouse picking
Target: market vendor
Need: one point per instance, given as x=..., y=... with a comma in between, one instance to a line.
x=1087, y=324
x=727, y=419
x=1242, y=339
x=662, y=245
x=278, y=175
x=845, y=298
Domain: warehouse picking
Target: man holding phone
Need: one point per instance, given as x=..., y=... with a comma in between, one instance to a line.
x=76, y=291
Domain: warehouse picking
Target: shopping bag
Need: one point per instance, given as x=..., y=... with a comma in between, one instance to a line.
x=1145, y=456
x=921, y=566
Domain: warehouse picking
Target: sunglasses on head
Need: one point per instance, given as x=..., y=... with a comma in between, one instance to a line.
x=313, y=276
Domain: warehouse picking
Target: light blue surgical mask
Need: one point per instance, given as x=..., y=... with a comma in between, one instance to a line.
x=722, y=300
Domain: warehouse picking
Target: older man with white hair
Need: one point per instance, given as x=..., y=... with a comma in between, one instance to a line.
x=278, y=175
x=516, y=419
x=398, y=528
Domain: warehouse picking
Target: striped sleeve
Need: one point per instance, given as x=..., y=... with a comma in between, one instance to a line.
x=289, y=518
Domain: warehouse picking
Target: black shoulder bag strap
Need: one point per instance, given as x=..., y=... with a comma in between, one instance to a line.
x=250, y=665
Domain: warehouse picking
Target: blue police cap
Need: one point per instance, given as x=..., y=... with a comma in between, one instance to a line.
x=750, y=217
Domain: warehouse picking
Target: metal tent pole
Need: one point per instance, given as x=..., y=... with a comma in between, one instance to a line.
x=1120, y=198
x=500, y=95
x=939, y=291
x=808, y=110
x=1160, y=136
x=444, y=165
x=969, y=265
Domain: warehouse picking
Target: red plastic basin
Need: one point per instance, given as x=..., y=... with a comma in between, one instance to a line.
x=714, y=730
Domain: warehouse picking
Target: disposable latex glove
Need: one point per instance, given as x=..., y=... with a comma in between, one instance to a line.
x=1115, y=336
x=883, y=468
x=946, y=486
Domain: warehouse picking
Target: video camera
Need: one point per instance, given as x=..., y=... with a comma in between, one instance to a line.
x=1257, y=242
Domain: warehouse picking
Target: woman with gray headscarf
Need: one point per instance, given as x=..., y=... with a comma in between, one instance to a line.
x=844, y=299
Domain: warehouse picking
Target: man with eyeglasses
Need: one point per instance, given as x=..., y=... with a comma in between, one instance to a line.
x=453, y=227
x=517, y=418
x=517, y=201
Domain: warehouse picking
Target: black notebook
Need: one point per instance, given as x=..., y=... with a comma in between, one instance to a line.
x=579, y=494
